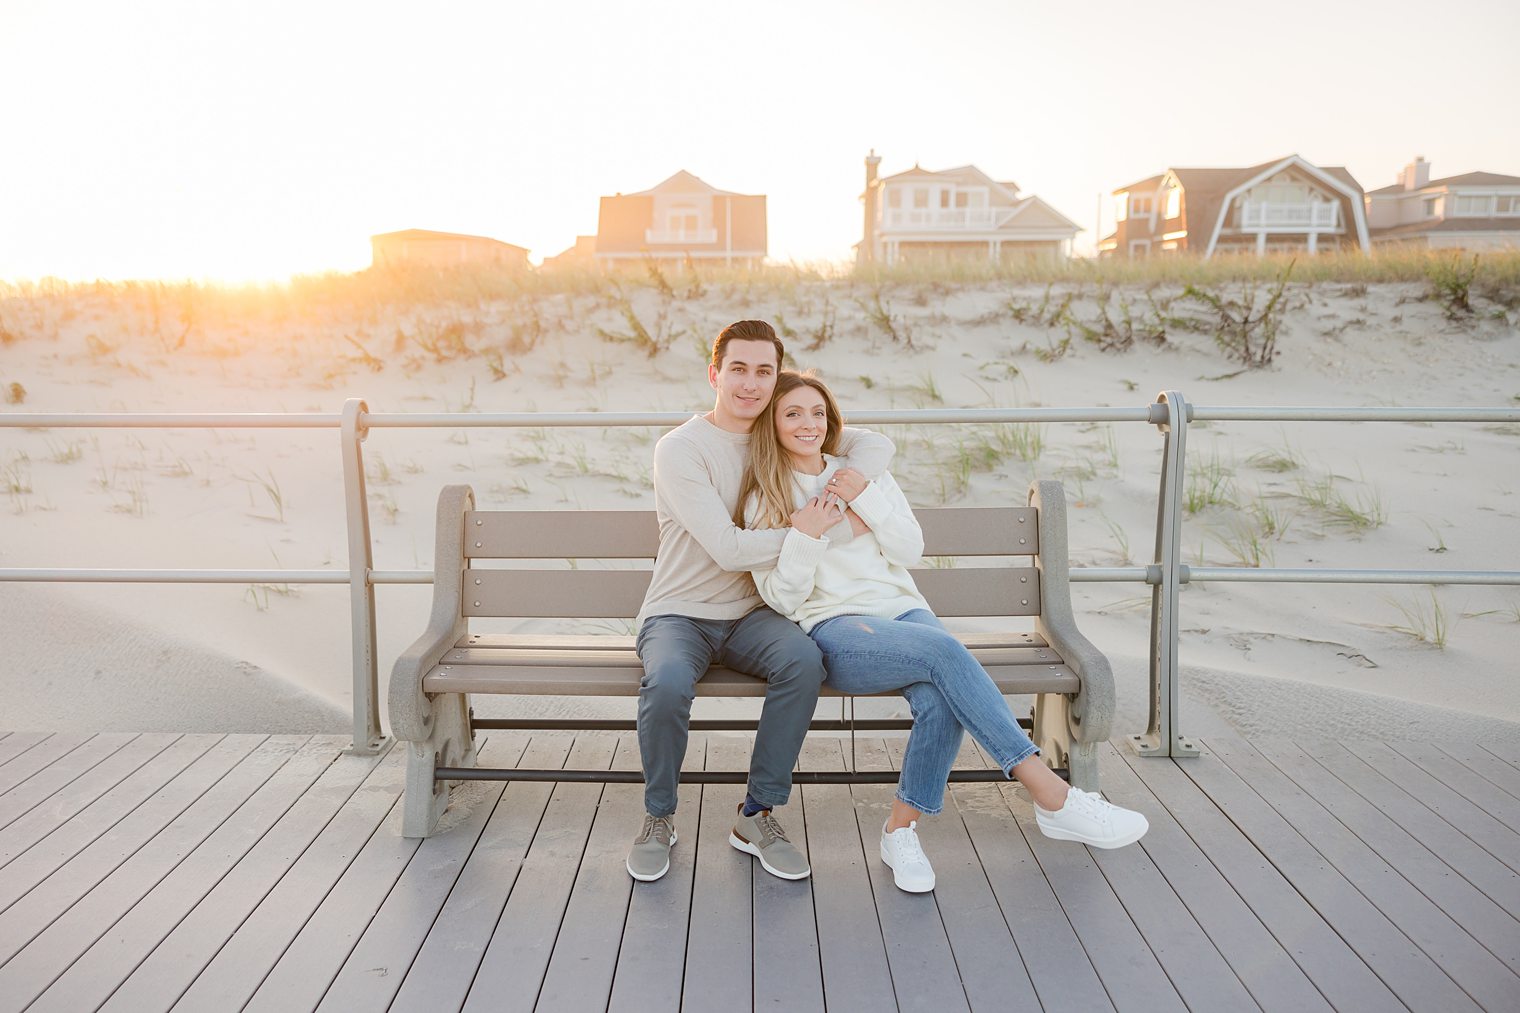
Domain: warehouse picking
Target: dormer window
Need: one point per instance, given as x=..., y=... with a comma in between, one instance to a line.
x=1141, y=205
x=1174, y=203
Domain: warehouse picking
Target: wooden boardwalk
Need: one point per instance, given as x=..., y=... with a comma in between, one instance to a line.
x=225, y=872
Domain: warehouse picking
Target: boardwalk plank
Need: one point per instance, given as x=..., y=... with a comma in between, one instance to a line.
x=1467, y=905
x=174, y=820
x=851, y=949
x=924, y=973
x=39, y=757
x=386, y=900
x=377, y=964
x=1205, y=904
x=1336, y=970
x=165, y=973
x=1472, y=967
x=1484, y=763
x=650, y=965
x=788, y=974
x=1456, y=849
x=1402, y=965
x=247, y=801
x=585, y=955
x=447, y=960
x=16, y=743
x=992, y=972
x=295, y=803
x=719, y=949
x=1488, y=832
x=243, y=959
x=1506, y=750
x=1129, y=970
x=62, y=771
x=91, y=805
x=1460, y=778
x=512, y=968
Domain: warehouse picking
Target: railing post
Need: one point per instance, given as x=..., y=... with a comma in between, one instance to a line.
x=1163, y=738
x=368, y=739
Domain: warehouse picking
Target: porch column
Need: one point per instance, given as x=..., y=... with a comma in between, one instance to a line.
x=1261, y=244
x=1313, y=242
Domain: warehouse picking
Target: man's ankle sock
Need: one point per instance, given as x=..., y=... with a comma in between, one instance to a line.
x=751, y=806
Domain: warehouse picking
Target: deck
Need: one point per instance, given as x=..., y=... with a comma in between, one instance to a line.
x=212, y=872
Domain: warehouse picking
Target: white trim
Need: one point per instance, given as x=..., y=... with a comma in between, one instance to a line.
x=1358, y=211
x=1179, y=234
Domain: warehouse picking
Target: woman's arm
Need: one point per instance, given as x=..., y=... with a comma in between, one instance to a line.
x=885, y=510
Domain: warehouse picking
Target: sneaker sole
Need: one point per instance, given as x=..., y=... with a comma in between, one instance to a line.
x=1116, y=842
x=749, y=849
x=898, y=883
x=651, y=877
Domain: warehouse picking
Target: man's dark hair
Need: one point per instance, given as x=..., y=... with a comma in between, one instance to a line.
x=746, y=330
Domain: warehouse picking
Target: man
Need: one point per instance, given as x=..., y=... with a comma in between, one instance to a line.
x=702, y=607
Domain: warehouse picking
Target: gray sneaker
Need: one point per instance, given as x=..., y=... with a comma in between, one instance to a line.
x=761, y=835
x=649, y=858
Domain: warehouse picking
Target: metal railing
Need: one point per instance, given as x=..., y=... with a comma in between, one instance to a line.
x=1268, y=214
x=941, y=218
x=1166, y=574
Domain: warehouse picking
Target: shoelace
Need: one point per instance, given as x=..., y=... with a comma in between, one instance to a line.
x=655, y=826
x=908, y=848
x=770, y=829
x=1090, y=804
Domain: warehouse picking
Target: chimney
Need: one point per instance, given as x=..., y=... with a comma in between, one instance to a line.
x=866, y=252
x=1416, y=174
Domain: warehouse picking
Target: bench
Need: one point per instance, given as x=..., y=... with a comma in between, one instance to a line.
x=431, y=684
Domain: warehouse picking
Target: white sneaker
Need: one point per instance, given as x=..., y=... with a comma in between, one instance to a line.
x=1087, y=818
x=901, y=851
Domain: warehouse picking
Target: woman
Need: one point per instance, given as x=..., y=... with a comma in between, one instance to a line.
x=857, y=600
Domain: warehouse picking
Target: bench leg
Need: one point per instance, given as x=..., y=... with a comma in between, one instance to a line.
x=1055, y=734
x=449, y=744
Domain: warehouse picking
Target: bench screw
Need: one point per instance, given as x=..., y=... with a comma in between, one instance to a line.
x=477, y=604
x=1022, y=601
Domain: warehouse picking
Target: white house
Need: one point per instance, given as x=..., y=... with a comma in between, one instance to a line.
x=1473, y=211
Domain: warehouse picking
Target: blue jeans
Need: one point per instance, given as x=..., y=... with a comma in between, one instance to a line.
x=947, y=690
x=676, y=652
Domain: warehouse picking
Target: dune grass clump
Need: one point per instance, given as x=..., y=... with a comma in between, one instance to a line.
x=1120, y=335
x=1211, y=483
x=1451, y=283
x=1245, y=324
x=1425, y=622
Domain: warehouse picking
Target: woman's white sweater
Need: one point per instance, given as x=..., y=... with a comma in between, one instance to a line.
x=814, y=579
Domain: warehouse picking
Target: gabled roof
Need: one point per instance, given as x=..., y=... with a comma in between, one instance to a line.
x=683, y=182
x=1019, y=218
x=1450, y=225
x=968, y=175
x=1150, y=182
x=428, y=234
x=1465, y=179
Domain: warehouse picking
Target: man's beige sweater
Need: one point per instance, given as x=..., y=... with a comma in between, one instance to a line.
x=702, y=569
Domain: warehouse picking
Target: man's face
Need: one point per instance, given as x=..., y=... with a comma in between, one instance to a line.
x=744, y=381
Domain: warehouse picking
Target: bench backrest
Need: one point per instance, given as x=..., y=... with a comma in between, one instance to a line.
x=633, y=534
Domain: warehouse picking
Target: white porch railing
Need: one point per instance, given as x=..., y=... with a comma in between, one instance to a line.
x=696, y=237
x=941, y=218
x=1306, y=215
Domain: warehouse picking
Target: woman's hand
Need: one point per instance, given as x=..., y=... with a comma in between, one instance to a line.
x=847, y=483
x=817, y=515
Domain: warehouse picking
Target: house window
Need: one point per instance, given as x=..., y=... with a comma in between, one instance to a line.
x=944, y=198
x=921, y=198
x=1121, y=208
x=1473, y=207
x=894, y=197
x=1140, y=205
x=1432, y=207
x=682, y=223
x=1507, y=205
x=962, y=199
x=1174, y=202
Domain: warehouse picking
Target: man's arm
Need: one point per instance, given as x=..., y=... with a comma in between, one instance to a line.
x=885, y=510
x=685, y=490
x=867, y=452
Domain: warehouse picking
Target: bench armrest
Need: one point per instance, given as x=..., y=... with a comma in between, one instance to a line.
x=410, y=711
x=1092, y=713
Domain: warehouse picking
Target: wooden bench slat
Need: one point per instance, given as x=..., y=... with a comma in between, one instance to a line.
x=612, y=657
x=634, y=534
x=625, y=642
x=621, y=679
x=599, y=594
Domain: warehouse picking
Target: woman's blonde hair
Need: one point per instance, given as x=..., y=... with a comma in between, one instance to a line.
x=769, y=474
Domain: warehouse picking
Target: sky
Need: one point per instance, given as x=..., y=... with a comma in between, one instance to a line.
x=229, y=140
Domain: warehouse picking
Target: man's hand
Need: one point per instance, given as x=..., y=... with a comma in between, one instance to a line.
x=817, y=515
x=847, y=483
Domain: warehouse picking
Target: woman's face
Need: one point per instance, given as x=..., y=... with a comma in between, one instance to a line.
x=802, y=422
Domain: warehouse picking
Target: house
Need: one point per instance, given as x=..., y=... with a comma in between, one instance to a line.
x=420, y=247
x=681, y=219
x=956, y=213
x=1473, y=211
x=582, y=254
x=1287, y=204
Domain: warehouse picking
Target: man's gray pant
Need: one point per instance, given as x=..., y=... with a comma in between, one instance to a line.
x=676, y=652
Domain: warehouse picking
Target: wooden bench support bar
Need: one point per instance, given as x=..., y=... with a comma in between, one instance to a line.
x=699, y=725
x=694, y=776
